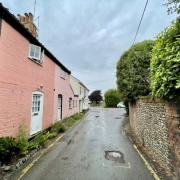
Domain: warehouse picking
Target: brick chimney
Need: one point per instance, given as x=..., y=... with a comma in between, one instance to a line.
x=27, y=21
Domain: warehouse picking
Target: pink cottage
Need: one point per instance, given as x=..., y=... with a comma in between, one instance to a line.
x=34, y=86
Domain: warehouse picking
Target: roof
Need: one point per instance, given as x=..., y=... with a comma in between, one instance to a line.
x=14, y=22
x=80, y=82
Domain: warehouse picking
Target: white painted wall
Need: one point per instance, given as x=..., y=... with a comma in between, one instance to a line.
x=81, y=91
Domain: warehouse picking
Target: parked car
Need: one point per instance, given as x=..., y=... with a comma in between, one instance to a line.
x=120, y=105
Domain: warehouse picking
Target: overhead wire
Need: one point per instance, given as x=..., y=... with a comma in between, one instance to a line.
x=140, y=22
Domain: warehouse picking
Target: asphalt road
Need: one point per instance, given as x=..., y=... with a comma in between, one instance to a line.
x=81, y=154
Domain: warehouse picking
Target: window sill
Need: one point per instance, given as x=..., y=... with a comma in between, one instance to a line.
x=62, y=78
x=35, y=61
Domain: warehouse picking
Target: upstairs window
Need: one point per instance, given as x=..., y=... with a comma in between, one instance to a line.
x=36, y=53
x=62, y=74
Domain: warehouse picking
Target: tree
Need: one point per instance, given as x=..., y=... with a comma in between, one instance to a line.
x=165, y=63
x=173, y=6
x=112, y=98
x=95, y=96
x=133, y=71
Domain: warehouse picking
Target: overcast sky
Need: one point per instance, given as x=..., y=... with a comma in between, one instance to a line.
x=89, y=36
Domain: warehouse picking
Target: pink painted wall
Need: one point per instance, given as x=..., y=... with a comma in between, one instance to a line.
x=19, y=77
x=62, y=86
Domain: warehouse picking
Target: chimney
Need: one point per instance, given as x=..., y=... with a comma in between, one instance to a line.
x=27, y=21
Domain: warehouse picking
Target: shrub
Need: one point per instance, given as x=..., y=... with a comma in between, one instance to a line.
x=22, y=141
x=165, y=63
x=39, y=140
x=68, y=122
x=7, y=148
x=112, y=98
x=133, y=71
x=57, y=127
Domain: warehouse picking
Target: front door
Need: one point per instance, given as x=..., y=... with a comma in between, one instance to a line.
x=59, y=107
x=36, y=112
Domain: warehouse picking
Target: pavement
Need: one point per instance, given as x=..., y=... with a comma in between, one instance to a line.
x=82, y=153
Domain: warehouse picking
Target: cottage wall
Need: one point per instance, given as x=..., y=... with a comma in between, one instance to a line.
x=19, y=77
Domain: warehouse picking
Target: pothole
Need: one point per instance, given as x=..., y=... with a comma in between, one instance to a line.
x=97, y=116
x=116, y=156
x=117, y=117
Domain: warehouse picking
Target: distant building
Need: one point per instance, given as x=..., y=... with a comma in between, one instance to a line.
x=81, y=91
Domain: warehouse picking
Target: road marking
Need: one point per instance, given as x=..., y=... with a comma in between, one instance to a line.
x=28, y=167
x=156, y=177
x=126, y=167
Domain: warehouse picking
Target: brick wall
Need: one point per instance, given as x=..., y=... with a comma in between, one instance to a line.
x=156, y=124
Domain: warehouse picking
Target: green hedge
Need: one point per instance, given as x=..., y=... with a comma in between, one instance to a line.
x=112, y=98
x=133, y=71
x=165, y=63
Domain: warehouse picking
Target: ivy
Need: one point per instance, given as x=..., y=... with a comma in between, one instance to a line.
x=165, y=63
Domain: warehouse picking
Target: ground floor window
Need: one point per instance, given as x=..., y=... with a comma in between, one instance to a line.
x=70, y=103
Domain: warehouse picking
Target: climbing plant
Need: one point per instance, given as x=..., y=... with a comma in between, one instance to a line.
x=165, y=63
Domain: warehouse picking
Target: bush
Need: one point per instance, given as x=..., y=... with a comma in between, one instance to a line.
x=22, y=141
x=39, y=140
x=58, y=127
x=112, y=98
x=133, y=71
x=165, y=63
x=68, y=122
x=7, y=148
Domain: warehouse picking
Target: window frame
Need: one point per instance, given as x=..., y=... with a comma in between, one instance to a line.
x=37, y=49
x=70, y=103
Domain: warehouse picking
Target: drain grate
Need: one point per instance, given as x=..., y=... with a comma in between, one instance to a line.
x=116, y=156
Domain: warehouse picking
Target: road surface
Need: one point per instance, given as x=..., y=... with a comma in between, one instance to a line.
x=81, y=154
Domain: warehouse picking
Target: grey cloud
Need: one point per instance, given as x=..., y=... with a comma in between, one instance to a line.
x=89, y=36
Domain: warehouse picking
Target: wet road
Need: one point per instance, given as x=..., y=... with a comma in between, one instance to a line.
x=81, y=155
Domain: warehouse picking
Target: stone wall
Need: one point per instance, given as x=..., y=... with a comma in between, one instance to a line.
x=156, y=124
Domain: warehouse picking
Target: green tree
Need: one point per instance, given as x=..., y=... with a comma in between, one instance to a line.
x=173, y=6
x=95, y=97
x=112, y=98
x=165, y=63
x=133, y=71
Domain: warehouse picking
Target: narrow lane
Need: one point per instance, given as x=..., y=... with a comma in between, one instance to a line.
x=81, y=155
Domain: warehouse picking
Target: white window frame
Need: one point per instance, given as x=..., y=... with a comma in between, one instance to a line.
x=37, y=50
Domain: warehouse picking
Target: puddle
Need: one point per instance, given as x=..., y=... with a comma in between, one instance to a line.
x=64, y=158
x=117, y=118
x=116, y=156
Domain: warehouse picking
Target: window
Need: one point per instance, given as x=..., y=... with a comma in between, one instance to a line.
x=36, y=53
x=36, y=103
x=62, y=74
x=80, y=89
x=70, y=103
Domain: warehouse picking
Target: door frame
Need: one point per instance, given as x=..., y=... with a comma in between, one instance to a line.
x=60, y=95
x=41, y=111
